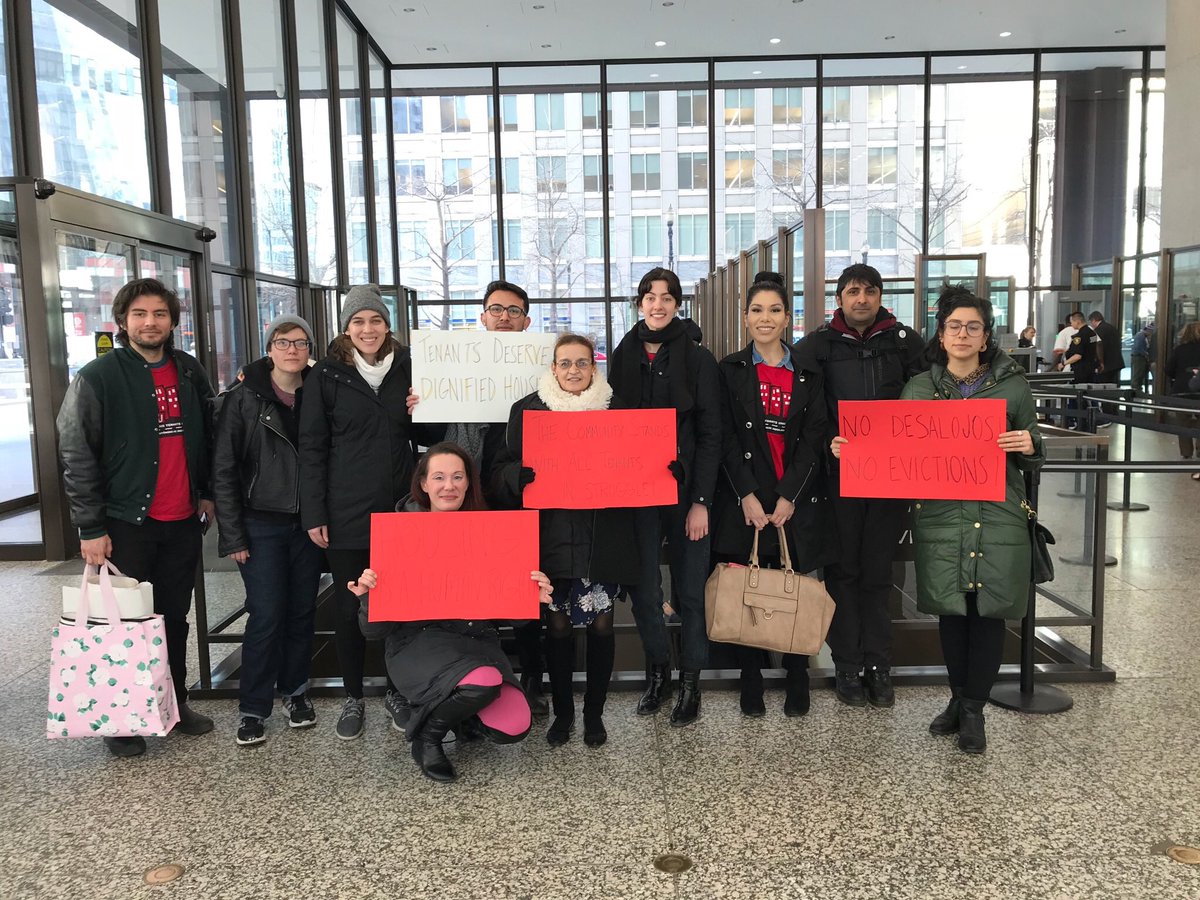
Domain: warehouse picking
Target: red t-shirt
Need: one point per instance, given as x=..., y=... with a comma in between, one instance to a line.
x=173, y=487
x=775, y=386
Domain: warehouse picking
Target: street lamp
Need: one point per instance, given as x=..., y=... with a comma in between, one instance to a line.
x=671, y=237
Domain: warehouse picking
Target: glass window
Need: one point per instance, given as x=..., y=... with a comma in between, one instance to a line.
x=787, y=106
x=410, y=176
x=512, y=240
x=461, y=239
x=90, y=103
x=692, y=107
x=197, y=112
x=320, y=211
x=693, y=235
x=739, y=169
x=274, y=300
x=591, y=174
x=6, y=146
x=647, y=236
x=384, y=223
x=739, y=232
x=882, y=103
x=508, y=113
x=835, y=105
x=881, y=165
x=455, y=119
x=644, y=174
x=643, y=109
x=693, y=171
x=593, y=232
x=881, y=229
x=549, y=112
x=457, y=176
x=551, y=173
x=837, y=231
x=835, y=166
x=739, y=107
x=271, y=209
x=512, y=176
x=229, y=326
x=354, y=187
x=407, y=115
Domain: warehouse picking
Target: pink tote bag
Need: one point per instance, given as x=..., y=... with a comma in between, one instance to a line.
x=110, y=679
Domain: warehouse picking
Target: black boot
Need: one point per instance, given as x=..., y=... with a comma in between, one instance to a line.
x=971, y=738
x=531, y=686
x=465, y=701
x=797, y=701
x=687, y=707
x=878, y=685
x=751, y=700
x=601, y=649
x=848, y=687
x=560, y=657
x=658, y=688
x=947, y=721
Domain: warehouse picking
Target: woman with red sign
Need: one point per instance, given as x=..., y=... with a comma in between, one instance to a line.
x=973, y=556
x=773, y=420
x=587, y=553
x=452, y=671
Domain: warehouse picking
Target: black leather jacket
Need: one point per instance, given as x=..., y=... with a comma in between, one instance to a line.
x=256, y=464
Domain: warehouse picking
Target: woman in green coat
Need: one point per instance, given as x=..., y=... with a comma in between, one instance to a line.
x=973, y=557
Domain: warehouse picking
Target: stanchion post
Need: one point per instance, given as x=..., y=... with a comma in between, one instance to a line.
x=1126, y=505
x=202, y=628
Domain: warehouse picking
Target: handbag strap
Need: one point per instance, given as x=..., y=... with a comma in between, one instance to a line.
x=754, y=551
x=108, y=600
x=784, y=556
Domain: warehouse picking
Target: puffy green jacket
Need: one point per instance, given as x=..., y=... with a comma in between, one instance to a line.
x=967, y=545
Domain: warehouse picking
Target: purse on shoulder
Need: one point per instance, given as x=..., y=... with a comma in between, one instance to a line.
x=1041, y=562
x=774, y=609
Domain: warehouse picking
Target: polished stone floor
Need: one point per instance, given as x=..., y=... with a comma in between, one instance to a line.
x=841, y=805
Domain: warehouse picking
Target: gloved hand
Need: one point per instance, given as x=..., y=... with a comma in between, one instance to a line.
x=526, y=477
x=676, y=468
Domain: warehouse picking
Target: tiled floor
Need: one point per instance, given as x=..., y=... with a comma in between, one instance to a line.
x=844, y=804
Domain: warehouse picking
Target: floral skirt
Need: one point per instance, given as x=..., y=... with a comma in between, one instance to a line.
x=583, y=600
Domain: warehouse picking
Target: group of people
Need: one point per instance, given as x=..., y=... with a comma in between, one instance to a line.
x=298, y=456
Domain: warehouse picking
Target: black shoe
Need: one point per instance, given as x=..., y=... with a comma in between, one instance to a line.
x=687, y=706
x=125, y=747
x=751, y=700
x=658, y=688
x=531, y=684
x=462, y=704
x=878, y=685
x=352, y=719
x=398, y=708
x=432, y=759
x=594, y=732
x=560, y=730
x=251, y=731
x=849, y=688
x=798, y=701
x=300, y=711
x=946, y=722
x=971, y=738
x=191, y=722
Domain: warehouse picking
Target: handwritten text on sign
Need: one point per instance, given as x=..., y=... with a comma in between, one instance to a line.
x=476, y=376
x=460, y=565
x=593, y=460
x=923, y=449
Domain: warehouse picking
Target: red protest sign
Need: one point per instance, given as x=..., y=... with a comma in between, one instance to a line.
x=922, y=449
x=462, y=565
x=600, y=458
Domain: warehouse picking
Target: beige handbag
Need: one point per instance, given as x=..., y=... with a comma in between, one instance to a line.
x=774, y=609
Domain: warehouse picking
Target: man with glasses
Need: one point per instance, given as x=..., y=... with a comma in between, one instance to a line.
x=864, y=353
x=135, y=441
x=505, y=308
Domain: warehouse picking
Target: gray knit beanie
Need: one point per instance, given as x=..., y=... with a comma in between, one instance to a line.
x=287, y=322
x=360, y=297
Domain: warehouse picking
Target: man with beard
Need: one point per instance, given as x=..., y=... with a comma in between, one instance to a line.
x=135, y=440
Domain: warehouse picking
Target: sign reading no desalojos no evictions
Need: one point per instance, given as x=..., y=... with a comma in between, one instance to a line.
x=476, y=376
x=922, y=449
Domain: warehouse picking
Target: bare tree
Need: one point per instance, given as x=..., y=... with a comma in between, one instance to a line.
x=555, y=252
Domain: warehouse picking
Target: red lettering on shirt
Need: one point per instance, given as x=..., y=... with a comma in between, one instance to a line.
x=775, y=388
x=173, y=485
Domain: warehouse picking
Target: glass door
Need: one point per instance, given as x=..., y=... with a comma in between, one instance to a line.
x=91, y=269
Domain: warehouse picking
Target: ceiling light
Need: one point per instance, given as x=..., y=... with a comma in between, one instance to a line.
x=756, y=72
x=539, y=7
x=889, y=37
x=431, y=49
x=1119, y=31
x=775, y=40
x=668, y=3
x=409, y=9
x=660, y=43
x=1006, y=34
x=960, y=68
x=545, y=46
x=653, y=74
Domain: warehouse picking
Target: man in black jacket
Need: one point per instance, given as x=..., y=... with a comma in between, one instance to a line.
x=1111, y=360
x=864, y=354
x=134, y=438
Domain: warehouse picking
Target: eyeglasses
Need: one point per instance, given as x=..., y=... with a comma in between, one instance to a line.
x=514, y=312
x=974, y=329
x=284, y=343
x=565, y=365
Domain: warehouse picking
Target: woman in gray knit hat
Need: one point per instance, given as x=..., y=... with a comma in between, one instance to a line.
x=357, y=453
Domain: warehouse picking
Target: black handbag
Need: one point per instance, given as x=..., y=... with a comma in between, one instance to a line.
x=1041, y=563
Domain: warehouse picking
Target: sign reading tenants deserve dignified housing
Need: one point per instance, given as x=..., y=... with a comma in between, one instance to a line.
x=598, y=459
x=476, y=376
x=460, y=565
x=923, y=449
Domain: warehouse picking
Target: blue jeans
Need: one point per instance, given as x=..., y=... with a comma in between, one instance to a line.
x=281, y=578
x=689, y=568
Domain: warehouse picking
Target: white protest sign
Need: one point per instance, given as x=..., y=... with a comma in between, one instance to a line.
x=476, y=376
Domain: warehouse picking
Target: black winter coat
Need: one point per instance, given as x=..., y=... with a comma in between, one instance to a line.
x=357, y=451
x=256, y=465
x=747, y=466
x=874, y=368
x=1180, y=363
x=698, y=430
x=597, y=544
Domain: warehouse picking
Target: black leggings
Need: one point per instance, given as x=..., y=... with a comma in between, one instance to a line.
x=560, y=624
x=973, y=646
x=345, y=566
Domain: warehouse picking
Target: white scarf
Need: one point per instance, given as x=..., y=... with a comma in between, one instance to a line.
x=597, y=396
x=373, y=374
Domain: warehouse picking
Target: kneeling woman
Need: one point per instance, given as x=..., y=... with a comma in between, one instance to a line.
x=587, y=553
x=973, y=557
x=450, y=670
